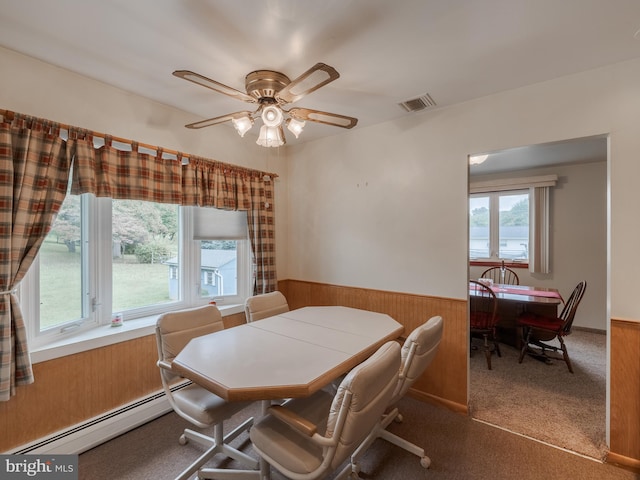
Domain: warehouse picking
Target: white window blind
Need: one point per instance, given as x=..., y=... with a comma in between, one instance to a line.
x=539, y=230
x=213, y=223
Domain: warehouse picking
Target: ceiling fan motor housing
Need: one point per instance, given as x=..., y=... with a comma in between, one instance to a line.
x=265, y=84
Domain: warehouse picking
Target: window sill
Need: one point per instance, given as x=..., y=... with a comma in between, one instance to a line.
x=491, y=263
x=107, y=335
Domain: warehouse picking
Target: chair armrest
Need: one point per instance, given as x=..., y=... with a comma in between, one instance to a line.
x=294, y=420
x=164, y=364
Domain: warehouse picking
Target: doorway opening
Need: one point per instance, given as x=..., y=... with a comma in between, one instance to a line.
x=545, y=401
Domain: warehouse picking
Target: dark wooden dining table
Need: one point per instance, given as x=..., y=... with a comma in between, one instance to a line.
x=515, y=299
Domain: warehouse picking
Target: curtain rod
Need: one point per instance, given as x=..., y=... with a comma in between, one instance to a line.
x=8, y=114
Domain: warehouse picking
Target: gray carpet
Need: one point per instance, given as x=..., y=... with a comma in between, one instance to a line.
x=459, y=447
x=546, y=402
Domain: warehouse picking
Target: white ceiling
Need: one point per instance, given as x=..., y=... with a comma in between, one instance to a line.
x=386, y=51
x=573, y=151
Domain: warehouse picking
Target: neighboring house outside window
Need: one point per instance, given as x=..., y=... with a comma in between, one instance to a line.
x=217, y=273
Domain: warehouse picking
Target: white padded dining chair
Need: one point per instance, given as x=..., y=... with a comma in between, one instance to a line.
x=418, y=351
x=265, y=305
x=309, y=438
x=195, y=404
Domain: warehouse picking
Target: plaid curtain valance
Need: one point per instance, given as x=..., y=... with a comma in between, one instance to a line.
x=118, y=174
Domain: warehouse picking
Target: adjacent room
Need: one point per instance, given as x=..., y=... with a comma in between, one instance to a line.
x=321, y=182
x=576, y=172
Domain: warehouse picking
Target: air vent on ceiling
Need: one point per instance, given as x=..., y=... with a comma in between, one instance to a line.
x=419, y=103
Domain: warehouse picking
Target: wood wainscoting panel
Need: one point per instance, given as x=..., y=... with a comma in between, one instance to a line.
x=625, y=393
x=72, y=389
x=234, y=320
x=445, y=381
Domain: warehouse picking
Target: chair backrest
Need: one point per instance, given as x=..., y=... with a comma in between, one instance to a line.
x=569, y=310
x=502, y=275
x=265, y=305
x=175, y=329
x=418, y=351
x=483, y=306
x=361, y=399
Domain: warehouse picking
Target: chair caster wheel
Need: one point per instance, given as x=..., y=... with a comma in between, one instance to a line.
x=399, y=418
x=183, y=439
x=425, y=462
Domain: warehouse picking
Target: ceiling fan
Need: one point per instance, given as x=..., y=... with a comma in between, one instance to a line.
x=271, y=91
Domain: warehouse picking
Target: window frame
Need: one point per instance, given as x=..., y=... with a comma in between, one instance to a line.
x=494, y=226
x=97, y=277
x=540, y=188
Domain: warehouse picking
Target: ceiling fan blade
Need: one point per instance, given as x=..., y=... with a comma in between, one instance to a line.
x=213, y=85
x=216, y=120
x=323, y=117
x=311, y=80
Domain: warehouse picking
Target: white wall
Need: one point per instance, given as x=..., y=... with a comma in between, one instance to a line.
x=35, y=88
x=578, y=238
x=386, y=206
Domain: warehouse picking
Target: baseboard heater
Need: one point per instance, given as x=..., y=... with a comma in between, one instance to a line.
x=91, y=433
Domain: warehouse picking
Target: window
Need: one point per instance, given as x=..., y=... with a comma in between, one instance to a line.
x=62, y=258
x=219, y=266
x=485, y=230
x=144, y=251
x=221, y=239
x=137, y=258
x=173, y=272
x=499, y=225
x=208, y=277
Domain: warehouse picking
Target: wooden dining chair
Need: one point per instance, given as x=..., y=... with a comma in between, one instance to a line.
x=483, y=317
x=538, y=330
x=501, y=274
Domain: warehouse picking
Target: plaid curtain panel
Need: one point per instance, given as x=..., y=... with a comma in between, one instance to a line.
x=34, y=174
x=261, y=220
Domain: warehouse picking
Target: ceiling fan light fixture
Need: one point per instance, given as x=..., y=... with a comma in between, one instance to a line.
x=271, y=136
x=242, y=124
x=295, y=126
x=272, y=116
x=273, y=90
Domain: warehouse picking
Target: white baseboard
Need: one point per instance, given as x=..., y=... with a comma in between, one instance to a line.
x=100, y=429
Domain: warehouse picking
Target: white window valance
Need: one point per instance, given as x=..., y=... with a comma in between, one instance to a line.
x=521, y=183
